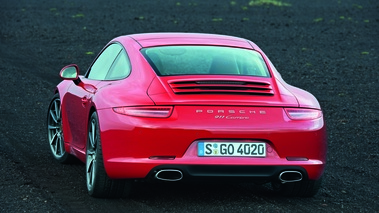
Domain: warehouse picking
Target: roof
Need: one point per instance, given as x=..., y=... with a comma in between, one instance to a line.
x=164, y=39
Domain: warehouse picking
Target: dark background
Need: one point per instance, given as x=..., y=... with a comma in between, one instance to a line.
x=328, y=47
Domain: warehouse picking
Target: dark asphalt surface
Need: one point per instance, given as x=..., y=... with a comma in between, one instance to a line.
x=328, y=47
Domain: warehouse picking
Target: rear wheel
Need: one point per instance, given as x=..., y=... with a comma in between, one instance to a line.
x=304, y=188
x=98, y=182
x=54, y=131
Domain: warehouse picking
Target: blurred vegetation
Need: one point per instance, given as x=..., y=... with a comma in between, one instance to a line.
x=268, y=3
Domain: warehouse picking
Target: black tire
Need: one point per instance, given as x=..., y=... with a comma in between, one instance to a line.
x=304, y=188
x=55, y=133
x=98, y=183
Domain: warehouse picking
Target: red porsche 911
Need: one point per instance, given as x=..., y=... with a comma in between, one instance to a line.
x=186, y=107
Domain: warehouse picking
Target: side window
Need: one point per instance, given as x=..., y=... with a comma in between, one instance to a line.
x=120, y=68
x=104, y=62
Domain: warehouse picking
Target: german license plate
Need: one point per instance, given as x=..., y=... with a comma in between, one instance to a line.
x=231, y=149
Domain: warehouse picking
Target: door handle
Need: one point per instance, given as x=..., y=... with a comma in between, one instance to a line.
x=84, y=100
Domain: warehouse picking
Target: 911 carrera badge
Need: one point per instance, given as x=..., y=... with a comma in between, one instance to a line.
x=232, y=117
x=232, y=114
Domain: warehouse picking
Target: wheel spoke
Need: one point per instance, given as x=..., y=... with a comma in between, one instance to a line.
x=56, y=108
x=60, y=145
x=91, y=152
x=53, y=139
x=90, y=177
x=93, y=131
x=59, y=112
x=53, y=116
x=56, y=147
x=90, y=136
x=57, y=144
x=90, y=169
x=90, y=164
x=90, y=144
x=53, y=127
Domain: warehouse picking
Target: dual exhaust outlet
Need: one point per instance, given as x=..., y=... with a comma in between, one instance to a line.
x=169, y=175
x=177, y=175
x=290, y=176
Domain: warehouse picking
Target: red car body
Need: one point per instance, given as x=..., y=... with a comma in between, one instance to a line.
x=138, y=147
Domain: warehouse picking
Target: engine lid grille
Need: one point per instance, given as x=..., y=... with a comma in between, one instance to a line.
x=221, y=87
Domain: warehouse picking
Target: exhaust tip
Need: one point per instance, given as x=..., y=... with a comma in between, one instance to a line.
x=169, y=175
x=290, y=176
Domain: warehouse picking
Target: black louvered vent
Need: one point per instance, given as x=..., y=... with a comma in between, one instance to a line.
x=221, y=87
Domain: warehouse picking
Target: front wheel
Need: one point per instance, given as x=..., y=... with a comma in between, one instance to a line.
x=55, y=131
x=98, y=182
x=304, y=188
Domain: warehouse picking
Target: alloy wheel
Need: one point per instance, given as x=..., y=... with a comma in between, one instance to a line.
x=91, y=154
x=54, y=126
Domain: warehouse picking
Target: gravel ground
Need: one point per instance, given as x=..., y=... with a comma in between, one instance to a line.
x=328, y=47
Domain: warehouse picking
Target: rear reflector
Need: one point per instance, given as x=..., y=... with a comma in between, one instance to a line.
x=151, y=111
x=303, y=114
x=162, y=157
x=297, y=159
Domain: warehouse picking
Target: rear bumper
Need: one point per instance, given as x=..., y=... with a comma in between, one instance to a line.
x=214, y=173
x=203, y=168
x=196, y=172
x=136, y=148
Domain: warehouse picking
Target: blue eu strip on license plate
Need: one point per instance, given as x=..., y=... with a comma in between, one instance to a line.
x=255, y=149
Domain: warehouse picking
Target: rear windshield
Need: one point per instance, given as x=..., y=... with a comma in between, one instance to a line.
x=205, y=60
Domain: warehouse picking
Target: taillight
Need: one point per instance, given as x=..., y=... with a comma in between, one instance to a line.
x=303, y=114
x=150, y=111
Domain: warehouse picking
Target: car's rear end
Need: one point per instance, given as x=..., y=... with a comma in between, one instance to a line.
x=218, y=113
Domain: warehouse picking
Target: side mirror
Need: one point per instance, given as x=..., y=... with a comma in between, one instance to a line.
x=70, y=72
